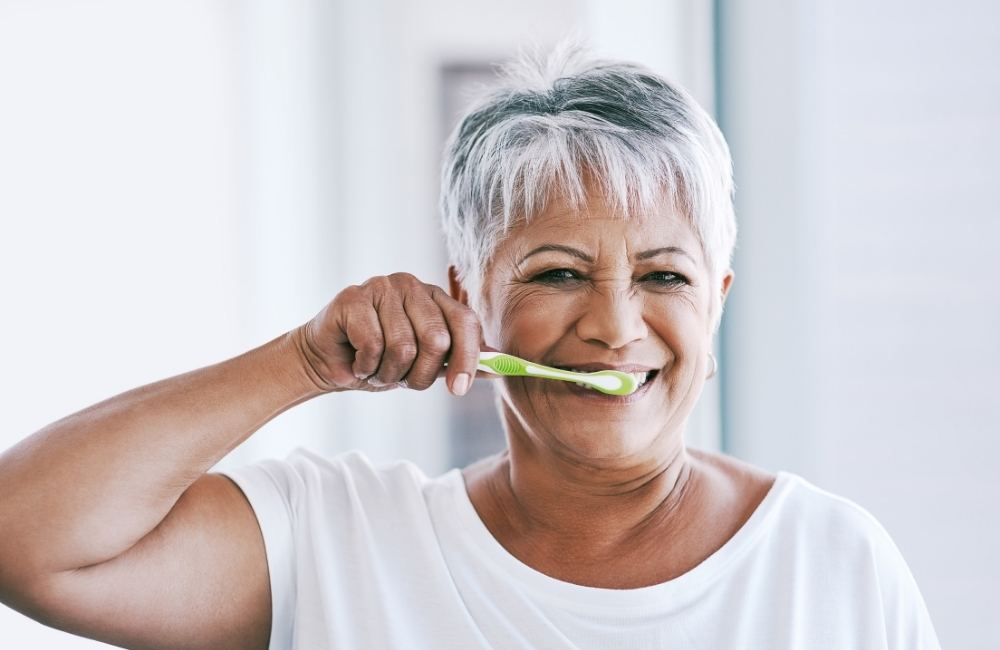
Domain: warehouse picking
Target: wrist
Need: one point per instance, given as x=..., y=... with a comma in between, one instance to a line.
x=306, y=363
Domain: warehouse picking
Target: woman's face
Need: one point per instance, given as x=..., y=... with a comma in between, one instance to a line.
x=588, y=290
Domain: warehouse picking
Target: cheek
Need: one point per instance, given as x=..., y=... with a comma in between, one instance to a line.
x=678, y=331
x=679, y=312
x=529, y=322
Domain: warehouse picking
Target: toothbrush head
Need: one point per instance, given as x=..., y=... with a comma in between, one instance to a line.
x=612, y=382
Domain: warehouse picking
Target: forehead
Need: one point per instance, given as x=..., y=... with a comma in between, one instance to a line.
x=600, y=226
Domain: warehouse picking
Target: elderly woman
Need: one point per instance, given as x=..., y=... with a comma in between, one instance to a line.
x=588, y=212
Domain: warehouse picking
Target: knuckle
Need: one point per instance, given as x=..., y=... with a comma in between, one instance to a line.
x=469, y=323
x=376, y=283
x=371, y=346
x=369, y=356
x=435, y=341
x=401, y=351
x=366, y=363
x=402, y=278
x=415, y=383
x=352, y=293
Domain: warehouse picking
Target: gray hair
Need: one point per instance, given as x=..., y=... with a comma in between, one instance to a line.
x=553, y=119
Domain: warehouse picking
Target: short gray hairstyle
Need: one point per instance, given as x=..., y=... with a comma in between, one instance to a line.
x=551, y=120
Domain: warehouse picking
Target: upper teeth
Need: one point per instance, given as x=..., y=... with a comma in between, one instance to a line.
x=640, y=377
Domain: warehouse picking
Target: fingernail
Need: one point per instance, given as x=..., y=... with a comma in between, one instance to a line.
x=461, y=384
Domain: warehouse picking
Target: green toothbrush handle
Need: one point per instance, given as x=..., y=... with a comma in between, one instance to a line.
x=503, y=364
x=610, y=382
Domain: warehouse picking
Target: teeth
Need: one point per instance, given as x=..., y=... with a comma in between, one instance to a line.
x=640, y=377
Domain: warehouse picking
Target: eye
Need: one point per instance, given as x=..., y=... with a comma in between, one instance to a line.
x=665, y=278
x=557, y=276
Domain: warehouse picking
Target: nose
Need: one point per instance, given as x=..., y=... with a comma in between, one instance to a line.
x=613, y=318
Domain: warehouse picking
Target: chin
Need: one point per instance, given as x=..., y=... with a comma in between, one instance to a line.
x=605, y=445
x=592, y=428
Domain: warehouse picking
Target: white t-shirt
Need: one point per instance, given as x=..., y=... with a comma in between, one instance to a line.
x=385, y=557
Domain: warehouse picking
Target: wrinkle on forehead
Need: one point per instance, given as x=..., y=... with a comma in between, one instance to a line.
x=600, y=236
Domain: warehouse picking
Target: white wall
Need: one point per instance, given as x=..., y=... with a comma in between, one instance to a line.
x=119, y=262
x=861, y=339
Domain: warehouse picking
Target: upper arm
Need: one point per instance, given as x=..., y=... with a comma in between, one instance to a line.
x=198, y=580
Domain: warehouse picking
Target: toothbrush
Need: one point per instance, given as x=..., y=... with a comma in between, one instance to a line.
x=611, y=382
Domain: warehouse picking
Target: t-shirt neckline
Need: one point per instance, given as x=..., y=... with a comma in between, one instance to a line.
x=671, y=594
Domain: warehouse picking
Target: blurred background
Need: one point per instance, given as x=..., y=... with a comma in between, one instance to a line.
x=181, y=181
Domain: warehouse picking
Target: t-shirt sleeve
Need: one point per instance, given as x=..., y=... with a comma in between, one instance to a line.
x=908, y=624
x=270, y=486
x=865, y=569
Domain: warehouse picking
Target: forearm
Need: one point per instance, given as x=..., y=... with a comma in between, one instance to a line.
x=86, y=488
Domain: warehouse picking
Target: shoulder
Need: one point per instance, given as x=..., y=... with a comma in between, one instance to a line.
x=850, y=547
x=829, y=549
x=355, y=467
x=843, y=523
x=733, y=475
x=350, y=481
x=796, y=507
x=799, y=516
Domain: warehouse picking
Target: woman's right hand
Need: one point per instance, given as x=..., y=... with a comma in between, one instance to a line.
x=391, y=331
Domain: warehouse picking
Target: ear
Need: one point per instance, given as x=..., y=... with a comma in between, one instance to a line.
x=727, y=283
x=455, y=287
x=724, y=287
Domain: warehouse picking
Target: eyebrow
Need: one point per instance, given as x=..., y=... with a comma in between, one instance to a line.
x=666, y=250
x=576, y=252
x=559, y=248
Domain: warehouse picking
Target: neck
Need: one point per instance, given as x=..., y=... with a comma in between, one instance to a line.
x=594, y=509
